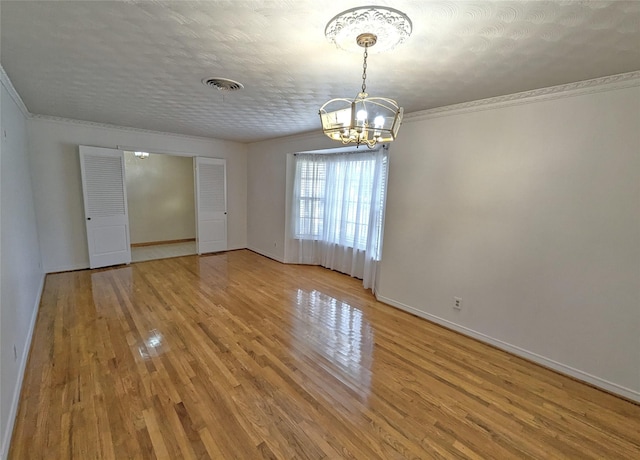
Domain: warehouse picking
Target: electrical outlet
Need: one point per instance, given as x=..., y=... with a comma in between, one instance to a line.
x=457, y=303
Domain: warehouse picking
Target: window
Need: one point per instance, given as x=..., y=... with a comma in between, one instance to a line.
x=311, y=191
x=339, y=198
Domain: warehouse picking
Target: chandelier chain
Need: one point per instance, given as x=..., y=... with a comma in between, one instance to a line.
x=364, y=70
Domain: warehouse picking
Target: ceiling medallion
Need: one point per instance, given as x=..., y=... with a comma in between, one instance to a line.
x=364, y=120
x=390, y=26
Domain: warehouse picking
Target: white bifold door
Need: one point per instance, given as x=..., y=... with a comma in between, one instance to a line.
x=211, y=204
x=105, y=206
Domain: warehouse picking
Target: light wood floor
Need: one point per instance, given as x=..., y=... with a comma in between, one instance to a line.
x=237, y=356
x=162, y=251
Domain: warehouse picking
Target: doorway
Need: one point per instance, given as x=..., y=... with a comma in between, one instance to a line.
x=160, y=197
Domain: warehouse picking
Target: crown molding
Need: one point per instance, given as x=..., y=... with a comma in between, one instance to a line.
x=95, y=124
x=596, y=85
x=6, y=82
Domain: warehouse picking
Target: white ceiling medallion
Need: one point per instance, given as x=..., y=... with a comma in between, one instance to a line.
x=390, y=26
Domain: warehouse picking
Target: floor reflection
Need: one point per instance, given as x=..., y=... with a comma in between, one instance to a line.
x=154, y=340
x=338, y=332
x=153, y=345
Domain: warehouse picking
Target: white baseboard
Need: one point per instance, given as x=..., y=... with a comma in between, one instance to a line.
x=67, y=268
x=542, y=360
x=24, y=356
x=266, y=254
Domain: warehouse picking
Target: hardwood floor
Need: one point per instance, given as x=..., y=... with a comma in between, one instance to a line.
x=237, y=356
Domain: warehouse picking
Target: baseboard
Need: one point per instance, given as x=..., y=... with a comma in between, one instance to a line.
x=266, y=254
x=155, y=243
x=11, y=420
x=534, y=357
x=67, y=268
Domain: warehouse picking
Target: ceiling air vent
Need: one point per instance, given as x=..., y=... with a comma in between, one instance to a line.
x=222, y=84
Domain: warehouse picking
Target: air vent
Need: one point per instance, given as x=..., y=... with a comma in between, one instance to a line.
x=222, y=84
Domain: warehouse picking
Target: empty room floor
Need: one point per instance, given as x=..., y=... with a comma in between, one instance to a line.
x=234, y=355
x=162, y=251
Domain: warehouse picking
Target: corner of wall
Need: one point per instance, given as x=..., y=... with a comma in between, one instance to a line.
x=23, y=276
x=6, y=82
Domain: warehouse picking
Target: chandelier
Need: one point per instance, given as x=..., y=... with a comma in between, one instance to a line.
x=365, y=120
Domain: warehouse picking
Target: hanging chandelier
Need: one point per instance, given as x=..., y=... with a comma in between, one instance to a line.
x=365, y=120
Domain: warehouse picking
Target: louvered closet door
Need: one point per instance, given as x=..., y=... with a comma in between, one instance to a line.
x=211, y=204
x=105, y=206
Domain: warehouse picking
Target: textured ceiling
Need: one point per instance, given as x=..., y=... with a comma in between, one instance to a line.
x=140, y=64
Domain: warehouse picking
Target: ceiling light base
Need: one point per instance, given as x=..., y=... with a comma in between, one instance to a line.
x=366, y=40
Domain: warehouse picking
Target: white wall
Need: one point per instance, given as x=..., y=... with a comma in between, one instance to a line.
x=266, y=178
x=58, y=188
x=160, y=196
x=529, y=212
x=21, y=276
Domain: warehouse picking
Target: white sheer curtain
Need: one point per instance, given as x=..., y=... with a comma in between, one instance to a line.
x=338, y=208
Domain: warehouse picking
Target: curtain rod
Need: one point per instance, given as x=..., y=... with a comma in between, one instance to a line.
x=347, y=152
